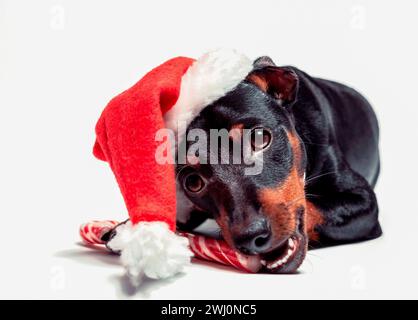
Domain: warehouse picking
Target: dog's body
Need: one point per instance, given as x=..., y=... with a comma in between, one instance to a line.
x=340, y=133
x=311, y=128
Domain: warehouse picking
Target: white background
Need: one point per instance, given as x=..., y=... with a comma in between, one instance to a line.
x=60, y=63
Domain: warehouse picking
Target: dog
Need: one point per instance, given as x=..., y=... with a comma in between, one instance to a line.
x=319, y=142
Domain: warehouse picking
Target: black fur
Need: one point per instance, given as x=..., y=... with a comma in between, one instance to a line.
x=340, y=133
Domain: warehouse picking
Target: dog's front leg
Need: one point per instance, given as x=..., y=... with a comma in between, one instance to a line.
x=344, y=209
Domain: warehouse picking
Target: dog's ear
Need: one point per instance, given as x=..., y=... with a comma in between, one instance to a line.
x=262, y=62
x=281, y=83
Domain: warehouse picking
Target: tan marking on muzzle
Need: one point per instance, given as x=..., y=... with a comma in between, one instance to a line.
x=223, y=222
x=280, y=203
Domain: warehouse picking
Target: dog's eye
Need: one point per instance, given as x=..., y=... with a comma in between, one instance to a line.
x=193, y=182
x=260, y=138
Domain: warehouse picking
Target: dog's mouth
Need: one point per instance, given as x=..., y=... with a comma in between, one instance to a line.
x=287, y=257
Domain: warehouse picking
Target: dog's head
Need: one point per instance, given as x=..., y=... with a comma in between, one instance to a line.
x=263, y=213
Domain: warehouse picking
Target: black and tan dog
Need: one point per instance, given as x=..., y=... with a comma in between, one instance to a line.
x=321, y=162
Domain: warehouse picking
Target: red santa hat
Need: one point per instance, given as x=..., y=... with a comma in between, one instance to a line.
x=171, y=94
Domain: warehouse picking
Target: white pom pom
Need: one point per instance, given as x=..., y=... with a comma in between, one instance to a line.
x=209, y=78
x=150, y=249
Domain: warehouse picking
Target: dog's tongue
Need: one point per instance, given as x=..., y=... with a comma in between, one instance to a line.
x=251, y=263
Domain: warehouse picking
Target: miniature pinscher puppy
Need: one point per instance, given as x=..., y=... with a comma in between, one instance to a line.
x=320, y=163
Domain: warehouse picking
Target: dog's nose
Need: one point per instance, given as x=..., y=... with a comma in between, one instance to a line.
x=256, y=239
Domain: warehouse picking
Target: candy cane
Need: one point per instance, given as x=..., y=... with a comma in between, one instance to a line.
x=92, y=232
x=205, y=248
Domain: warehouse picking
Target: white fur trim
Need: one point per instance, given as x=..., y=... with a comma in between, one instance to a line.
x=207, y=79
x=150, y=249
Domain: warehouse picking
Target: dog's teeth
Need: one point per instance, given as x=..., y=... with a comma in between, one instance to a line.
x=284, y=259
x=275, y=264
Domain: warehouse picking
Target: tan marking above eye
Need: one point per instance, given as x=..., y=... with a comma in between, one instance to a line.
x=193, y=160
x=236, y=132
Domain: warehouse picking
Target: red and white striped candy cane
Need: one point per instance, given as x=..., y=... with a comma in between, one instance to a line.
x=218, y=251
x=205, y=248
x=93, y=231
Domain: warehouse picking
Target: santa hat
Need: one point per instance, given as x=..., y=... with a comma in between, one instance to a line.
x=171, y=94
